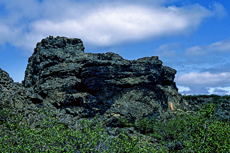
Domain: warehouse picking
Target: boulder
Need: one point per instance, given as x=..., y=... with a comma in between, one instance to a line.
x=5, y=78
x=77, y=85
x=11, y=94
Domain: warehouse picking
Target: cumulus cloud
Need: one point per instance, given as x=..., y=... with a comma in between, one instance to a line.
x=206, y=79
x=210, y=63
x=200, y=83
x=99, y=24
x=109, y=25
x=216, y=47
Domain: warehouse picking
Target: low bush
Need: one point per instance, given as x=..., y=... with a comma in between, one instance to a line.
x=202, y=132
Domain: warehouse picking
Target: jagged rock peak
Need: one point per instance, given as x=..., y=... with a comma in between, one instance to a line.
x=60, y=42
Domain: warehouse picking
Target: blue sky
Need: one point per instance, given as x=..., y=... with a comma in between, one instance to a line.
x=190, y=36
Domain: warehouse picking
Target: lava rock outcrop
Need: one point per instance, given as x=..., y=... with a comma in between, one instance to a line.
x=85, y=84
x=61, y=76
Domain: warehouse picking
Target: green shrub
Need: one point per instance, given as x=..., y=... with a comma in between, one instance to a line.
x=201, y=132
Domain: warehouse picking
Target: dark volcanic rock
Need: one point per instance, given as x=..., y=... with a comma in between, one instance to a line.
x=77, y=85
x=62, y=80
x=5, y=78
x=13, y=95
x=85, y=84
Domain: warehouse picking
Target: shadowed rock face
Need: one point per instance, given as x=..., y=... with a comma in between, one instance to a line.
x=61, y=76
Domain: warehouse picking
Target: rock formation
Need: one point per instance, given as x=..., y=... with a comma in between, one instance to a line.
x=84, y=84
x=77, y=85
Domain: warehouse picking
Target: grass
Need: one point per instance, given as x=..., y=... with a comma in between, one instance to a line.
x=201, y=132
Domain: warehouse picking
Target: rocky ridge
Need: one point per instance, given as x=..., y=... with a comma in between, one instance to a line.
x=76, y=85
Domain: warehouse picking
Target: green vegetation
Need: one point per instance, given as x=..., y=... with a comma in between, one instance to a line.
x=201, y=132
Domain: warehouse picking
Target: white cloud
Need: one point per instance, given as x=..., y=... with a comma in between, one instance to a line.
x=205, y=79
x=217, y=48
x=114, y=24
x=102, y=24
x=220, y=46
x=3, y=31
x=204, y=83
x=195, y=51
x=219, y=9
